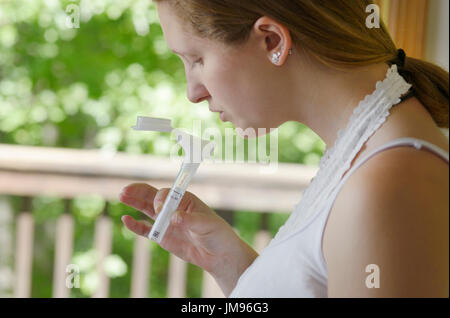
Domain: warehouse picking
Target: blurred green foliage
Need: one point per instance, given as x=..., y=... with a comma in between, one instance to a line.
x=83, y=87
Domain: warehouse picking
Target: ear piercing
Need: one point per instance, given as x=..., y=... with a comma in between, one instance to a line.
x=276, y=56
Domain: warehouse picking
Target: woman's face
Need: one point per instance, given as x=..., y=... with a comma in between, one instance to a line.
x=240, y=82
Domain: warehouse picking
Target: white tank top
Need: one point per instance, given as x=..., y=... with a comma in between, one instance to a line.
x=293, y=265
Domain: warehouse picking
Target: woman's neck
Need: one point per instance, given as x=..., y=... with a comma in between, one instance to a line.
x=334, y=97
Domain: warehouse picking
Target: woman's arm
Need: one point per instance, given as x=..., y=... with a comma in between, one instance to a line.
x=387, y=235
x=232, y=266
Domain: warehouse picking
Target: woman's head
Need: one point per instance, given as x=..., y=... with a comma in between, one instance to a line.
x=239, y=80
x=235, y=40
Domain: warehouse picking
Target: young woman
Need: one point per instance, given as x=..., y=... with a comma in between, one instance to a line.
x=364, y=228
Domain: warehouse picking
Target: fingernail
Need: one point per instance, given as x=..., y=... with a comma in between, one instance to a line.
x=176, y=218
x=158, y=207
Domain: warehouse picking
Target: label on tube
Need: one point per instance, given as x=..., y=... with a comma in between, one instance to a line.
x=172, y=202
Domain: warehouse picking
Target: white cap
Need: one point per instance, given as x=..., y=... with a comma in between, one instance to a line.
x=153, y=124
x=196, y=149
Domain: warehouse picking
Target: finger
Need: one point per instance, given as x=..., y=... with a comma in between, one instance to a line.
x=139, y=227
x=188, y=204
x=139, y=196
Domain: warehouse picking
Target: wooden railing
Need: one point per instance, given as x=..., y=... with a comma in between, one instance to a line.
x=67, y=173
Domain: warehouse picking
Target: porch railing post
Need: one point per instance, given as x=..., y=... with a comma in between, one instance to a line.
x=102, y=244
x=24, y=251
x=63, y=252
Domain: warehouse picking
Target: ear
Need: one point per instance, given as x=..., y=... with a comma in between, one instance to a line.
x=277, y=38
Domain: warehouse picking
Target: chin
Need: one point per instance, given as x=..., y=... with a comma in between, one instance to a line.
x=250, y=132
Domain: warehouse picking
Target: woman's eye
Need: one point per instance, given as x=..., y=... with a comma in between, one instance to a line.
x=199, y=61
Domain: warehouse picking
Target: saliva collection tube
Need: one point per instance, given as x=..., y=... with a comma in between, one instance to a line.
x=173, y=200
x=196, y=150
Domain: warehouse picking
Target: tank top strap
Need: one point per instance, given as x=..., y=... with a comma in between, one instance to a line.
x=402, y=142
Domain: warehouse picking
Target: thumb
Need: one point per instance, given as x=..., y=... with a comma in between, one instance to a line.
x=198, y=223
x=159, y=199
x=192, y=213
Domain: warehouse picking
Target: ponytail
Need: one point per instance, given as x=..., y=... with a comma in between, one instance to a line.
x=333, y=31
x=430, y=84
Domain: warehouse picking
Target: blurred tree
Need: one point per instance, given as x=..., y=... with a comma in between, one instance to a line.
x=76, y=74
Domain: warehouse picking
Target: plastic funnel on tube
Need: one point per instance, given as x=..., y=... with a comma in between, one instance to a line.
x=196, y=150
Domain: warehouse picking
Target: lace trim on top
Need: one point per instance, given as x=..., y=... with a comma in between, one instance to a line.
x=370, y=114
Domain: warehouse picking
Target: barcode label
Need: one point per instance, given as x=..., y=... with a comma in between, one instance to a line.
x=176, y=195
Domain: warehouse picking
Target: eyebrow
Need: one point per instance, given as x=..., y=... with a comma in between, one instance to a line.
x=182, y=54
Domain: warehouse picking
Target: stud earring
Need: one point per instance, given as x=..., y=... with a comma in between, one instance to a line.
x=276, y=57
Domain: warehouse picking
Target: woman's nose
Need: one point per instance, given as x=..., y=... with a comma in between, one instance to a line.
x=197, y=92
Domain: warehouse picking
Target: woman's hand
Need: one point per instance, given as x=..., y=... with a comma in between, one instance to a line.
x=196, y=233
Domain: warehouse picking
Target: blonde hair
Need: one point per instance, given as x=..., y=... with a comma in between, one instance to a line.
x=334, y=32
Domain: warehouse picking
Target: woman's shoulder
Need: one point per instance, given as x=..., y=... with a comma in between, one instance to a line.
x=399, y=169
x=393, y=212
x=400, y=182
x=393, y=171
x=409, y=120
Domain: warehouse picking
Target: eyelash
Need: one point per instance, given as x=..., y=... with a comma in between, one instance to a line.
x=196, y=62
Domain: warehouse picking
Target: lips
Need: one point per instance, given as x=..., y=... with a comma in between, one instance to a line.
x=218, y=111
